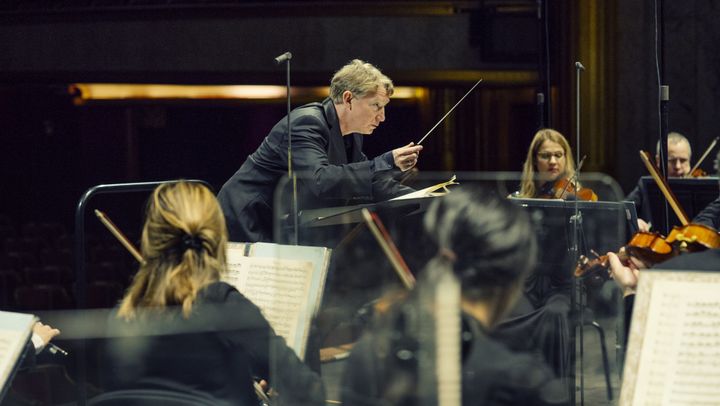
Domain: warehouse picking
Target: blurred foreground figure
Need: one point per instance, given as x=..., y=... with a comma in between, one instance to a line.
x=488, y=244
x=179, y=328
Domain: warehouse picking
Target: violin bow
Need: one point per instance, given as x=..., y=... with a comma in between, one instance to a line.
x=105, y=220
x=664, y=188
x=388, y=246
x=448, y=113
x=704, y=155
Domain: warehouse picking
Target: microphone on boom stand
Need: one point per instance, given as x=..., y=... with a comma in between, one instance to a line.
x=291, y=175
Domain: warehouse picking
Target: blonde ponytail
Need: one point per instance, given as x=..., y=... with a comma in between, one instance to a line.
x=183, y=244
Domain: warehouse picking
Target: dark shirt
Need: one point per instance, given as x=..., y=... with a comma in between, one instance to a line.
x=218, y=350
x=708, y=260
x=331, y=168
x=710, y=215
x=637, y=196
x=491, y=373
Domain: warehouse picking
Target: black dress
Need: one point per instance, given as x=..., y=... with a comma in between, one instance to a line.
x=217, y=351
x=540, y=321
x=379, y=372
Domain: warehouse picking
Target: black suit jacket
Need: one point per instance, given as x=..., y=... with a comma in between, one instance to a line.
x=327, y=176
x=710, y=215
x=636, y=196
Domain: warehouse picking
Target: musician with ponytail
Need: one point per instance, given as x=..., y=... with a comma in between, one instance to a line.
x=180, y=328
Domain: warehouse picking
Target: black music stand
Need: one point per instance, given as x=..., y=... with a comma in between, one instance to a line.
x=353, y=214
x=693, y=195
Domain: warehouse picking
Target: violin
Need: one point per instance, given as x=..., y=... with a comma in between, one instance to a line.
x=694, y=237
x=652, y=248
x=564, y=188
x=649, y=248
x=697, y=173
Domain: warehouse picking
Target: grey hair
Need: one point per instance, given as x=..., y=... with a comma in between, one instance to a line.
x=360, y=78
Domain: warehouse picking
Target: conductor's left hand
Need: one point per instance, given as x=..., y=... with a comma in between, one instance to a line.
x=406, y=157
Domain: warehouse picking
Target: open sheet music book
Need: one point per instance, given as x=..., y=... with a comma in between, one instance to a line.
x=432, y=191
x=15, y=331
x=673, y=355
x=285, y=281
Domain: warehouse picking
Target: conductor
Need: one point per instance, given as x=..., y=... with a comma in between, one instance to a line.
x=326, y=155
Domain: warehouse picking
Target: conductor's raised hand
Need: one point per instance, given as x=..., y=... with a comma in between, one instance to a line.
x=406, y=157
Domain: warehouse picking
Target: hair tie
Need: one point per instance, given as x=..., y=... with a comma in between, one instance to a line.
x=191, y=242
x=448, y=254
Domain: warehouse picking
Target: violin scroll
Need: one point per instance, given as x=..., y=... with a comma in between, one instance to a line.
x=594, y=271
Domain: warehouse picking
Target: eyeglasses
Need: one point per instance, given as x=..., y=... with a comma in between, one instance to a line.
x=546, y=156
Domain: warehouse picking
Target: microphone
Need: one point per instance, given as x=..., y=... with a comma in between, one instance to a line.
x=580, y=66
x=284, y=57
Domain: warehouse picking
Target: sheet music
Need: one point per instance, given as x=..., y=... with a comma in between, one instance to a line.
x=14, y=333
x=431, y=191
x=280, y=288
x=679, y=349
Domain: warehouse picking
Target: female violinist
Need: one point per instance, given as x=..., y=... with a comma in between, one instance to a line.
x=181, y=329
x=542, y=312
x=548, y=169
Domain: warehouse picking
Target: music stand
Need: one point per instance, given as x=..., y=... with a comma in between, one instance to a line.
x=603, y=226
x=693, y=195
x=353, y=214
x=597, y=217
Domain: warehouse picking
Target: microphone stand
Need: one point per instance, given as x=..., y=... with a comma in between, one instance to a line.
x=663, y=140
x=291, y=175
x=577, y=223
x=544, y=102
x=663, y=100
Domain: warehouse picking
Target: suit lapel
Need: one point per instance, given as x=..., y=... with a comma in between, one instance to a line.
x=336, y=144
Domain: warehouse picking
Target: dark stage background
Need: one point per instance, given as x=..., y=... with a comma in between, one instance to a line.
x=53, y=150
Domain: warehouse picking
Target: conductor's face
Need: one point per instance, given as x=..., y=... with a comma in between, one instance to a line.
x=364, y=114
